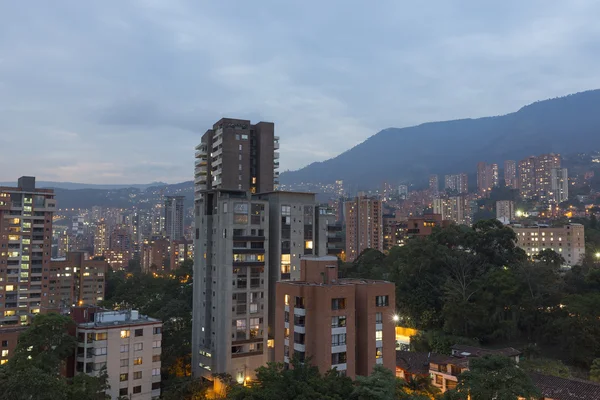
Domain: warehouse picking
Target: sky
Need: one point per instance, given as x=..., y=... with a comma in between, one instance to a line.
x=120, y=91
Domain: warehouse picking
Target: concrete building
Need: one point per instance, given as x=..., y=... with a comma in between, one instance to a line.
x=434, y=185
x=100, y=239
x=127, y=344
x=346, y=324
x=454, y=208
x=174, y=211
x=155, y=256
x=236, y=155
x=535, y=176
x=423, y=226
x=75, y=281
x=505, y=211
x=527, y=183
x=180, y=251
x=25, y=250
x=510, y=174
x=403, y=192
x=457, y=183
x=77, y=225
x=487, y=178
x=364, y=226
x=568, y=240
x=559, y=185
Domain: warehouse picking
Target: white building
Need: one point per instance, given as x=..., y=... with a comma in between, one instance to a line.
x=505, y=211
x=560, y=185
x=127, y=344
x=568, y=240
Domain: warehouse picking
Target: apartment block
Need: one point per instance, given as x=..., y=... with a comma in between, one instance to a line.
x=155, y=255
x=559, y=186
x=510, y=174
x=505, y=211
x=434, y=185
x=100, y=239
x=457, y=183
x=454, y=208
x=25, y=250
x=568, y=240
x=127, y=344
x=76, y=280
x=535, y=176
x=180, y=250
x=487, y=178
x=424, y=226
x=174, y=211
x=344, y=324
x=364, y=226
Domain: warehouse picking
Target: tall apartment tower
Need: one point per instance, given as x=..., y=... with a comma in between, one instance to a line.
x=434, y=185
x=527, y=177
x=535, y=176
x=505, y=211
x=100, y=239
x=25, y=241
x=230, y=308
x=487, y=178
x=364, y=230
x=510, y=174
x=174, y=217
x=559, y=185
x=457, y=183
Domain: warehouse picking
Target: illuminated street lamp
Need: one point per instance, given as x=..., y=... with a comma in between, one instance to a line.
x=598, y=255
x=396, y=318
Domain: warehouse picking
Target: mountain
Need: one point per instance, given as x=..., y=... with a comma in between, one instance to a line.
x=567, y=124
x=73, y=186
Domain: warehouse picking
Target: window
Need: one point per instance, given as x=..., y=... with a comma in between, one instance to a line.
x=125, y=334
x=287, y=316
x=124, y=362
x=338, y=358
x=156, y=358
x=286, y=333
x=124, y=348
x=379, y=334
x=137, y=375
x=299, y=302
x=157, y=330
x=123, y=377
x=378, y=352
x=286, y=210
x=100, y=351
x=156, y=344
x=99, y=366
x=137, y=389
x=5, y=343
x=254, y=327
x=155, y=385
x=137, y=361
x=4, y=353
x=138, y=346
x=338, y=304
x=101, y=336
x=308, y=244
x=338, y=322
x=382, y=301
x=338, y=340
x=139, y=332
x=155, y=371
x=378, y=318
x=123, y=392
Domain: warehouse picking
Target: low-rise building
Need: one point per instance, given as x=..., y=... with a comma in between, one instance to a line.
x=126, y=343
x=568, y=240
x=346, y=324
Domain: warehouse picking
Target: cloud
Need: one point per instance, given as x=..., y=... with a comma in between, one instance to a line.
x=121, y=92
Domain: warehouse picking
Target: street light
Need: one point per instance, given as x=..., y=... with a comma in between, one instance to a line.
x=598, y=255
x=396, y=318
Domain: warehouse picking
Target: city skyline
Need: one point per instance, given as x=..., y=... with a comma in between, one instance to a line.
x=153, y=100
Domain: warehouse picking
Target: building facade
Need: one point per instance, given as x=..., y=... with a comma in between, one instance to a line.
x=535, y=176
x=487, y=178
x=361, y=332
x=434, y=185
x=510, y=174
x=364, y=226
x=568, y=240
x=174, y=211
x=559, y=178
x=505, y=211
x=457, y=183
x=127, y=344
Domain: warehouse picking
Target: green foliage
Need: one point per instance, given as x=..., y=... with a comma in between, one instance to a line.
x=595, y=370
x=380, y=385
x=184, y=388
x=546, y=366
x=495, y=377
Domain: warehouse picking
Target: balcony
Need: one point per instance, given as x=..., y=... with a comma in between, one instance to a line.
x=276, y=145
x=201, y=153
x=200, y=180
x=276, y=155
x=201, y=162
x=247, y=238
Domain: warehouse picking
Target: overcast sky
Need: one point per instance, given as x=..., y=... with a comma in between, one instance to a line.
x=120, y=91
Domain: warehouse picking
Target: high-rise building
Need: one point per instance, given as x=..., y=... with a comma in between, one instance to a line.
x=535, y=176
x=487, y=178
x=234, y=160
x=100, y=239
x=559, y=185
x=78, y=225
x=236, y=155
x=345, y=324
x=155, y=255
x=25, y=246
x=76, y=280
x=568, y=241
x=510, y=174
x=174, y=217
x=454, y=208
x=364, y=228
x=457, y=183
x=127, y=344
x=434, y=185
x=505, y=211
x=403, y=192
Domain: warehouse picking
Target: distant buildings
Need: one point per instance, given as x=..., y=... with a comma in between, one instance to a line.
x=487, y=178
x=364, y=228
x=434, y=185
x=100, y=239
x=457, y=183
x=345, y=324
x=457, y=209
x=568, y=240
x=403, y=192
x=535, y=177
x=423, y=226
x=126, y=343
x=505, y=211
x=174, y=217
x=559, y=178
x=510, y=174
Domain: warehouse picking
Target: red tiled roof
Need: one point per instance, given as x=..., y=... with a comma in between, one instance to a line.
x=556, y=388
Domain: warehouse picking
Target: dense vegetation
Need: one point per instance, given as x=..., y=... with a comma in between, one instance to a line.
x=474, y=285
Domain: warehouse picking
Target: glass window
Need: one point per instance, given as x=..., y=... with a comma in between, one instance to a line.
x=138, y=346
x=156, y=344
x=156, y=358
x=382, y=301
x=124, y=377
x=379, y=334
x=137, y=375
x=137, y=389
x=124, y=362
x=139, y=332
x=137, y=361
x=124, y=348
x=101, y=336
x=338, y=304
x=378, y=318
x=125, y=333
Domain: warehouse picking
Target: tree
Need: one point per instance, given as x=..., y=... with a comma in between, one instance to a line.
x=496, y=377
x=380, y=385
x=595, y=370
x=550, y=257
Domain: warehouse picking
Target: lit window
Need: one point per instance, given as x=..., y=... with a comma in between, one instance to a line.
x=308, y=244
x=379, y=334
x=4, y=353
x=125, y=333
x=286, y=299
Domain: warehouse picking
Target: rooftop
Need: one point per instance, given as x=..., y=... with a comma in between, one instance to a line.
x=472, y=351
x=118, y=318
x=556, y=388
